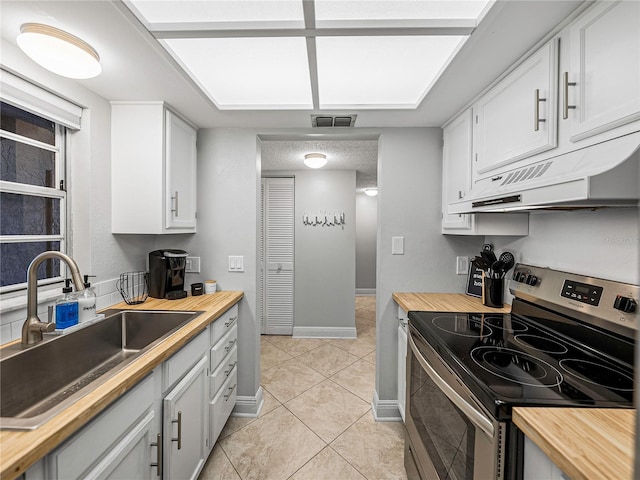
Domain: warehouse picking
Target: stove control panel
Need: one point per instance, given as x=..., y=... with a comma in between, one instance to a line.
x=582, y=292
x=609, y=304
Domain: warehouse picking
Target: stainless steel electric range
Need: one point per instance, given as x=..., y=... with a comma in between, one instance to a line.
x=568, y=341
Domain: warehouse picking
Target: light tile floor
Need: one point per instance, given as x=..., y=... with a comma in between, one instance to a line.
x=316, y=422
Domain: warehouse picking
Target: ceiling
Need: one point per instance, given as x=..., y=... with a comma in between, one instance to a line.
x=137, y=66
x=311, y=54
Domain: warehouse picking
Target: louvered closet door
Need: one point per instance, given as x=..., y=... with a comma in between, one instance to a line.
x=278, y=255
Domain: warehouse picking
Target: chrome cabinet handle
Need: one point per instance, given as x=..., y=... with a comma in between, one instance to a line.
x=565, y=105
x=228, y=395
x=475, y=416
x=175, y=204
x=230, y=322
x=536, y=110
x=179, y=438
x=230, y=346
x=158, y=464
x=231, y=367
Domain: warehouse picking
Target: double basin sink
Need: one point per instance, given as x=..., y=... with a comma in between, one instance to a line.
x=38, y=382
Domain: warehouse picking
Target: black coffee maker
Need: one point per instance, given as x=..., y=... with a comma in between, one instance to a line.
x=166, y=274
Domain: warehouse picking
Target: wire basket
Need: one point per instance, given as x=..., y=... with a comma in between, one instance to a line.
x=133, y=287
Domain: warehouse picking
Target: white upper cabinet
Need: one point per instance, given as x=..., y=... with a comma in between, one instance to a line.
x=456, y=183
x=517, y=118
x=601, y=86
x=456, y=169
x=153, y=170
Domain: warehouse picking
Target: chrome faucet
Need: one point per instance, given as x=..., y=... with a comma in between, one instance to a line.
x=32, y=328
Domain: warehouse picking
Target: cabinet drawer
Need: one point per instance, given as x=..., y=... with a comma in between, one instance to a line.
x=223, y=347
x=85, y=449
x=226, y=368
x=183, y=360
x=222, y=405
x=223, y=324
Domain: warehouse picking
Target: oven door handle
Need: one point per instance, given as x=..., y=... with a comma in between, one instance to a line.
x=476, y=417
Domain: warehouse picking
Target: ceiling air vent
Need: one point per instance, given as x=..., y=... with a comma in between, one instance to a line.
x=333, y=121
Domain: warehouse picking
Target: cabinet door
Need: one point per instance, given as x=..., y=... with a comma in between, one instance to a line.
x=517, y=118
x=185, y=432
x=456, y=169
x=130, y=458
x=402, y=365
x=180, y=173
x=604, y=78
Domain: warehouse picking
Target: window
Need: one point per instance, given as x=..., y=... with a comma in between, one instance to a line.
x=32, y=197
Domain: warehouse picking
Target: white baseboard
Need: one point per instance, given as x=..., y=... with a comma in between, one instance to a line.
x=368, y=292
x=385, y=410
x=324, y=332
x=249, y=406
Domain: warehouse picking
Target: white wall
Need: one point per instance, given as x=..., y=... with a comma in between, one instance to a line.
x=602, y=243
x=325, y=275
x=409, y=183
x=94, y=248
x=366, y=236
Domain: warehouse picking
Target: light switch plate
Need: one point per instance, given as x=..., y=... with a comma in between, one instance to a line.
x=397, y=245
x=462, y=265
x=236, y=263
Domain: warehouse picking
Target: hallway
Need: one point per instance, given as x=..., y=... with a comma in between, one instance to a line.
x=316, y=422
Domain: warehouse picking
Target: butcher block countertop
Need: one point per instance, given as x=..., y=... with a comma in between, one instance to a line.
x=585, y=443
x=444, y=302
x=21, y=449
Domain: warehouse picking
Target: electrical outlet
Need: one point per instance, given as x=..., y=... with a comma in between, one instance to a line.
x=462, y=265
x=192, y=265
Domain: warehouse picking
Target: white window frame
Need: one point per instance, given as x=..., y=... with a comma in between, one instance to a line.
x=56, y=192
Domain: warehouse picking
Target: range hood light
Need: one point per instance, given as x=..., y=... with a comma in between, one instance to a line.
x=372, y=192
x=59, y=51
x=315, y=160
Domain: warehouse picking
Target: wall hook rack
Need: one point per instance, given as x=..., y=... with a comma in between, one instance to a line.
x=323, y=219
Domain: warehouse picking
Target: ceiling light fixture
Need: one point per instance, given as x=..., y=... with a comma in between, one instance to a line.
x=59, y=51
x=315, y=160
x=372, y=192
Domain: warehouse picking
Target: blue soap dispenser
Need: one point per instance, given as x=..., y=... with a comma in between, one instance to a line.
x=66, y=308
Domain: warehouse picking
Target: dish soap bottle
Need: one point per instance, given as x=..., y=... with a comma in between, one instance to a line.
x=86, y=302
x=66, y=308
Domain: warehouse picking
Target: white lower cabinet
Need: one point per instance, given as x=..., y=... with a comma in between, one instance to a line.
x=164, y=427
x=184, y=427
x=403, y=326
x=114, y=445
x=537, y=465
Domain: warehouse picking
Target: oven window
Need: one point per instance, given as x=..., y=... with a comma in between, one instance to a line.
x=444, y=430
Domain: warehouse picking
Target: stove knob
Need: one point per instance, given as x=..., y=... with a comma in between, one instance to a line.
x=519, y=277
x=624, y=304
x=531, y=280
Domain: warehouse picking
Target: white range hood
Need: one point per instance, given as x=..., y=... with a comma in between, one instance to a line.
x=601, y=175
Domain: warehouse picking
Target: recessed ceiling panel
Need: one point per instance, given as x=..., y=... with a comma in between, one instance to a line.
x=367, y=11
x=232, y=12
x=248, y=73
x=380, y=72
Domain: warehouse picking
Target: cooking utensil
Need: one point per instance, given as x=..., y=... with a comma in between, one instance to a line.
x=509, y=261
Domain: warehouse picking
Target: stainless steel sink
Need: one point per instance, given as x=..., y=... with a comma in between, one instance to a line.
x=40, y=381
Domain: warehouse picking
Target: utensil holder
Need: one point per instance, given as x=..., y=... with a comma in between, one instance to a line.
x=492, y=292
x=133, y=287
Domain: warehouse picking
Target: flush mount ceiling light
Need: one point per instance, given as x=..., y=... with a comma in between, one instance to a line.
x=315, y=160
x=372, y=192
x=59, y=51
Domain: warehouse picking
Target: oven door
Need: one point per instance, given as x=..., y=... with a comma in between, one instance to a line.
x=450, y=436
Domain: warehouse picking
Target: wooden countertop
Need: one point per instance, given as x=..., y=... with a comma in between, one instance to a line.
x=21, y=449
x=586, y=443
x=444, y=302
